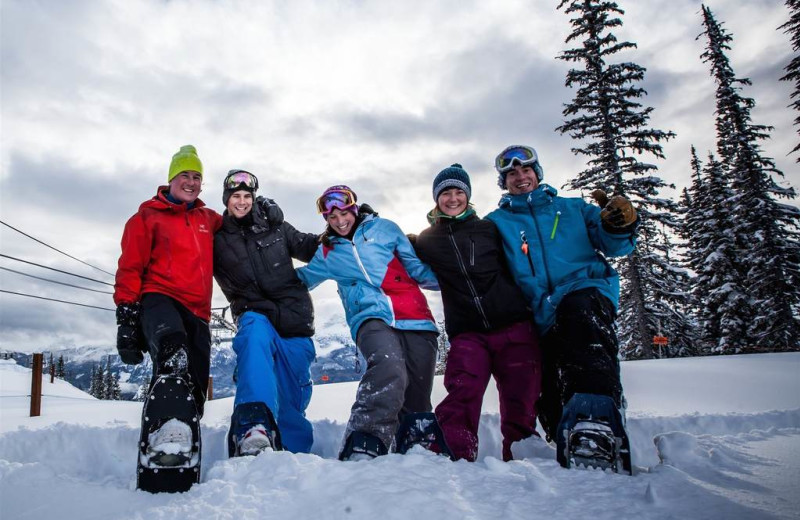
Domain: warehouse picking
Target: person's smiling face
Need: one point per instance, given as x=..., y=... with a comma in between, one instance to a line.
x=522, y=179
x=341, y=221
x=186, y=186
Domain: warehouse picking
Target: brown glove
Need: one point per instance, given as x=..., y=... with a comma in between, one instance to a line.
x=618, y=212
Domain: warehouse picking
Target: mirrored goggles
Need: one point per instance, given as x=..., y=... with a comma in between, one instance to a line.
x=524, y=155
x=236, y=178
x=341, y=199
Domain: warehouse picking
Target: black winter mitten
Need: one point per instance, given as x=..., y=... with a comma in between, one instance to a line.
x=130, y=343
x=270, y=210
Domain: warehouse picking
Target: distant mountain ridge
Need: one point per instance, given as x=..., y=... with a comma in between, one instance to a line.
x=336, y=362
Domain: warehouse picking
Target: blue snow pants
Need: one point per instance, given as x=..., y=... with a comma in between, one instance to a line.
x=275, y=371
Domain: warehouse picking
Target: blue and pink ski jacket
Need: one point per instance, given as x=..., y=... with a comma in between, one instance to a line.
x=378, y=275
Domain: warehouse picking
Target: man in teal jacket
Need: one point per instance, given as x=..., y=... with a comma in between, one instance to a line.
x=557, y=249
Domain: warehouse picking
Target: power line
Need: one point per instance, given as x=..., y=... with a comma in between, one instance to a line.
x=55, y=281
x=54, y=249
x=57, y=270
x=54, y=300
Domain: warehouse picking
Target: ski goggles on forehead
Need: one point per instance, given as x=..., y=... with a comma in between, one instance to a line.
x=341, y=199
x=523, y=155
x=236, y=178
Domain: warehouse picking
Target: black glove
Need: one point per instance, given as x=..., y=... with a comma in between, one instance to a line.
x=618, y=214
x=270, y=210
x=130, y=344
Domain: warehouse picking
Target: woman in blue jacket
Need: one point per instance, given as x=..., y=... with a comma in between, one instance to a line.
x=379, y=278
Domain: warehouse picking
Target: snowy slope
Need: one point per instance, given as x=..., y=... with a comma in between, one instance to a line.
x=727, y=429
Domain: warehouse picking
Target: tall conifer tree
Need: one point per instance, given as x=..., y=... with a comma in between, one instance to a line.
x=61, y=372
x=97, y=388
x=764, y=231
x=724, y=307
x=792, y=28
x=111, y=383
x=612, y=125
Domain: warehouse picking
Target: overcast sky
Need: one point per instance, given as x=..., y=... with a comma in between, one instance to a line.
x=98, y=95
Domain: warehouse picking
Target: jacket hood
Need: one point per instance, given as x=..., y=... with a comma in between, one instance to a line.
x=544, y=194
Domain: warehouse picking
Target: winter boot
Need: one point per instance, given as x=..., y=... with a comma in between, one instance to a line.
x=421, y=429
x=172, y=356
x=253, y=430
x=254, y=441
x=171, y=444
x=362, y=446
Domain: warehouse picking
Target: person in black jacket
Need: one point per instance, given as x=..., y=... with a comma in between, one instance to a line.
x=486, y=318
x=253, y=266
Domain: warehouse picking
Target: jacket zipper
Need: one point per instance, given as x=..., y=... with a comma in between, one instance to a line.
x=555, y=225
x=543, y=246
x=252, y=260
x=470, y=286
x=364, y=270
x=472, y=253
x=360, y=265
x=526, y=250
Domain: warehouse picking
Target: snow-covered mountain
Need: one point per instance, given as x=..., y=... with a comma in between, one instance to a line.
x=712, y=438
x=337, y=361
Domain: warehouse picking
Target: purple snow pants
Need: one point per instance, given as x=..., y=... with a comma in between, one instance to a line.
x=513, y=357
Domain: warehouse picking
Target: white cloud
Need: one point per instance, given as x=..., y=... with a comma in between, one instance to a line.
x=97, y=96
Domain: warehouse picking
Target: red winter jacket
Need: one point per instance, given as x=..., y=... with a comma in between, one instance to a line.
x=168, y=249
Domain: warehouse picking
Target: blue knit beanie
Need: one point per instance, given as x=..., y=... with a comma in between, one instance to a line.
x=453, y=177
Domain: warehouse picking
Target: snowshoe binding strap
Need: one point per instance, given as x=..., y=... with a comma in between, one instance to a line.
x=362, y=445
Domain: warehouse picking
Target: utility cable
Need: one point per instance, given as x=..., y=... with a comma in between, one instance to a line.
x=57, y=270
x=54, y=249
x=55, y=281
x=54, y=300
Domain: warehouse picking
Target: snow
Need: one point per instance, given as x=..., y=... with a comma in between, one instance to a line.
x=715, y=437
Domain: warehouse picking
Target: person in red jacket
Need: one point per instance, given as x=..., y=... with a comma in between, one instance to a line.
x=164, y=278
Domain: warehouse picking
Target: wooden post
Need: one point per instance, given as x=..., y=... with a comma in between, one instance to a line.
x=210, y=388
x=36, y=385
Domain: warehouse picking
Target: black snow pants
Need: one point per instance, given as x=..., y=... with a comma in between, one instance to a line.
x=167, y=324
x=580, y=355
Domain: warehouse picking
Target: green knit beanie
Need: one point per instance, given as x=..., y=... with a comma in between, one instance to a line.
x=185, y=160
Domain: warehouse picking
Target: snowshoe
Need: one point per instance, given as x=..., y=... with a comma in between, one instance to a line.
x=421, y=429
x=362, y=446
x=169, y=442
x=592, y=434
x=253, y=430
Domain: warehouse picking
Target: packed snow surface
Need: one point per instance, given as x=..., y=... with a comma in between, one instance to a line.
x=715, y=437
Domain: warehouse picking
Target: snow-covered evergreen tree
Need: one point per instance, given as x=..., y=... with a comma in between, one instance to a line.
x=694, y=202
x=612, y=126
x=765, y=232
x=792, y=28
x=97, y=387
x=61, y=372
x=111, y=383
x=724, y=309
x=671, y=299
